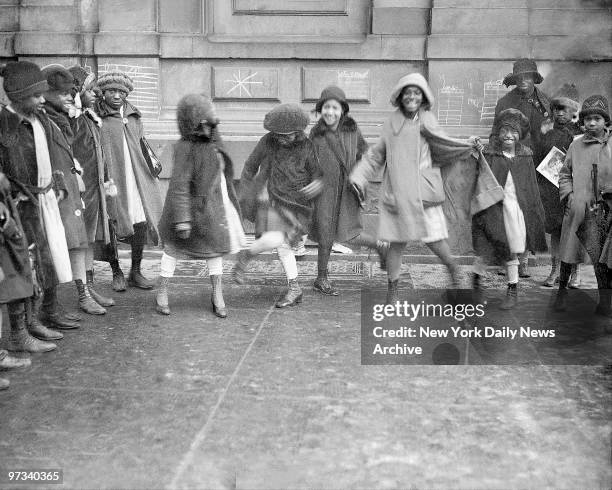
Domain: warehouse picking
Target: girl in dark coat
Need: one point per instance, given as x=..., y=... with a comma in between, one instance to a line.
x=282, y=176
x=503, y=231
x=565, y=107
x=337, y=216
x=201, y=218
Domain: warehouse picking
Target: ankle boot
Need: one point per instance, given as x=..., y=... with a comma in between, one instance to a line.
x=37, y=329
x=478, y=295
x=11, y=362
x=136, y=279
x=97, y=297
x=216, y=298
x=511, y=299
x=553, y=277
x=323, y=285
x=162, y=305
x=392, y=296
x=119, y=284
x=293, y=296
x=239, y=271
x=86, y=302
x=19, y=338
x=52, y=315
x=382, y=247
x=574, y=282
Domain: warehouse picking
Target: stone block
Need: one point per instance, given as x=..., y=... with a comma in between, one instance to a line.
x=482, y=4
x=9, y=18
x=412, y=4
x=567, y=4
x=480, y=21
x=180, y=77
x=137, y=43
x=6, y=44
x=354, y=82
x=59, y=18
x=578, y=48
x=119, y=15
x=89, y=15
x=180, y=16
x=245, y=83
x=47, y=3
x=551, y=22
x=478, y=47
x=42, y=43
x=399, y=20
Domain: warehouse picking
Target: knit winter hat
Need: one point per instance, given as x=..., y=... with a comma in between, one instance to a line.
x=22, y=79
x=115, y=80
x=417, y=80
x=192, y=110
x=513, y=118
x=595, y=104
x=522, y=67
x=59, y=78
x=566, y=96
x=335, y=93
x=286, y=118
x=82, y=78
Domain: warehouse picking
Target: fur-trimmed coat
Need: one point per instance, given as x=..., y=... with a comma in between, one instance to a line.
x=337, y=215
x=488, y=229
x=114, y=128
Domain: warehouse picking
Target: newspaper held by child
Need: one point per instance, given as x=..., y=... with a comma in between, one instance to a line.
x=552, y=163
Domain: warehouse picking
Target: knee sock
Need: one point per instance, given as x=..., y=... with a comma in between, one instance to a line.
x=287, y=258
x=394, y=260
x=323, y=259
x=512, y=271
x=167, y=265
x=77, y=263
x=565, y=271
x=215, y=266
x=267, y=241
x=89, y=258
x=479, y=266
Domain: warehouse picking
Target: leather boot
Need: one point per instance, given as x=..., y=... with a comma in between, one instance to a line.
x=86, y=302
x=19, y=338
x=478, y=295
x=216, y=298
x=292, y=297
x=382, y=247
x=511, y=299
x=51, y=315
x=392, y=296
x=323, y=285
x=553, y=277
x=136, y=279
x=97, y=297
x=37, y=329
x=119, y=284
x=574, y=282
x=162, y=306
x=239, y=271
x=11, y=362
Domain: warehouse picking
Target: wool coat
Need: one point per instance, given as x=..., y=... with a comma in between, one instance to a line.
x=337, y=215
x=575, y=179
x=87, y=150
x=560, y=136
x=536, y=108
x=488, y=227
x=62, y=161
x=283, y=171
x=16, y=283
x=401, y=213
x=114, y=128
x=18, y=162
x=194, y=196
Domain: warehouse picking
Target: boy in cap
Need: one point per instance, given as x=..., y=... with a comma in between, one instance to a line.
x=283, y=173
x=138, y=205
x=585, y=182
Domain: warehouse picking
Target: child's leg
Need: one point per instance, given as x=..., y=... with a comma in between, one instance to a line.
x=215, y=271
x=512, y=273
x=167, y=266
x=294, y=292
x=442, y=250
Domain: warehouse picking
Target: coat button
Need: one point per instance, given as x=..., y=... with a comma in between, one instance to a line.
x=125, y=121
x=77, y=212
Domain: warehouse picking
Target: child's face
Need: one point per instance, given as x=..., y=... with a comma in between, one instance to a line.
x=331, y=112
x=594, y=124
x=115, y=97
x=525, y=83
x=30, y=105
x=412, y=98
x=286, y=139
x=562, y=115
x=61, y=100
x=88, y=98
x=508, y=137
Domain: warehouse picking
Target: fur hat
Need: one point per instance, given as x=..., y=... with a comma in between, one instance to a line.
x=22, y=79
x=82, y=78
x=417, y=80
x=115, y=80
x=595, y=104
x=335, y=93
x=513, y=118
x=286, y=118
x=566, y=96
x=192, y=110
x=59, y=78
x=522, y=67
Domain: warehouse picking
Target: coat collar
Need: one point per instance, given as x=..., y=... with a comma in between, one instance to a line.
x=347, y=125
x=587, y=138
x=104, y=110
x=398, y=120
x=494, y=149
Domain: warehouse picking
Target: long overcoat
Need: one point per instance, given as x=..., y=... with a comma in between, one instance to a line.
x=194, y=196
x=337, y=215
x=114, y=128
x=60, y=138
x=18, y=162
x=398, y=153
x=87, y=149
x=488, y=228
x=575, y=178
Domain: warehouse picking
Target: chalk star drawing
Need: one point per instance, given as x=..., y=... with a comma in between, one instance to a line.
x=241, y=84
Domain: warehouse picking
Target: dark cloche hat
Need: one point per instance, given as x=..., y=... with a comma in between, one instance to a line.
x=286, y=118
x=521, y=67
x=58, y=78
x=23, y=79
x=566, y=96
x=513, y=118
x=335, y=93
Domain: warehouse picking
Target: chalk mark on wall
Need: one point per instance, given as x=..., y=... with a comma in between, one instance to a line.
x=241, y=83
x=145, y=95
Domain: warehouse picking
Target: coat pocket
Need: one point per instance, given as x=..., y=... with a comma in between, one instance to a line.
x=432, y=188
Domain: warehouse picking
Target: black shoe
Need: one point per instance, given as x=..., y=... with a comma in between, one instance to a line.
x=136, y=279
x=119, y=284
x=324, y=286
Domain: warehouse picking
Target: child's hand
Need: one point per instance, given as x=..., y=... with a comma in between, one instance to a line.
x=313, y=189
x=476, y=143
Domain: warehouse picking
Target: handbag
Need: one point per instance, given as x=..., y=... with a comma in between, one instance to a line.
x=432, y=188
x=153, y=162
